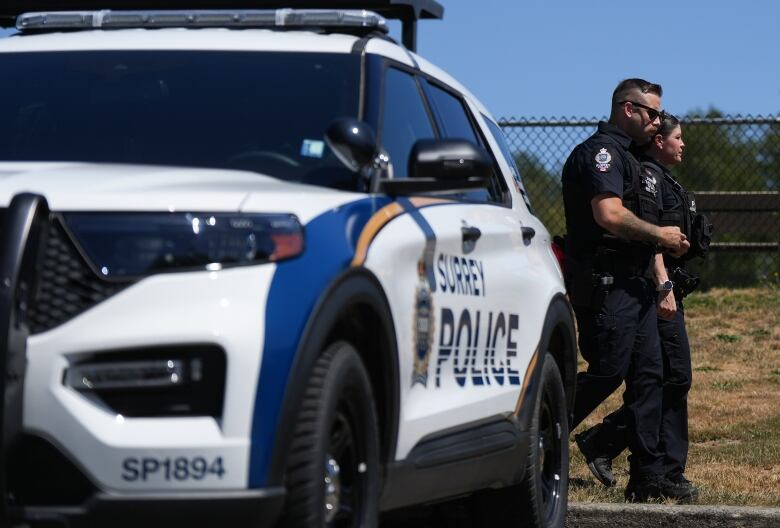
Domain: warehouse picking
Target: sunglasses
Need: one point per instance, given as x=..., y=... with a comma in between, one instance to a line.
x=652, y=113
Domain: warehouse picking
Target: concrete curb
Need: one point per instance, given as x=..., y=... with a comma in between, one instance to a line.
x=599, y=515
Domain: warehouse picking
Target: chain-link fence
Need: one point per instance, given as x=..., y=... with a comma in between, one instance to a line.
x=732, y=163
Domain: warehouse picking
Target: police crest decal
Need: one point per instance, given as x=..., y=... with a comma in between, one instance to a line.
x=603, y=160
x=422, y=330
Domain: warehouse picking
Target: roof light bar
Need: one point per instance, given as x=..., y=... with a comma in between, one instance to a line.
x=248, y=18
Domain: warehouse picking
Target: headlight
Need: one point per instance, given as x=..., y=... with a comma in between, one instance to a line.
x=123, y=245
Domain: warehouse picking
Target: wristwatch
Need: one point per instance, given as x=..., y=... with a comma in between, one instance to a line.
x=665, y=286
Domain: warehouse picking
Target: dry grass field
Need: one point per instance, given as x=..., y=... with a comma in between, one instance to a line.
x=734, y=405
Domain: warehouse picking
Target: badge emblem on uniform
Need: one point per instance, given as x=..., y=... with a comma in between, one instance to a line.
x=603, y=160
x=693, y=206
x=423, y=327
x=650, y=183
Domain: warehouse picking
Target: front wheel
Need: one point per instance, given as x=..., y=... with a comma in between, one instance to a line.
x=333, y=475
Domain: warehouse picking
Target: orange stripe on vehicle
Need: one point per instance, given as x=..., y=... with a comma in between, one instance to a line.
x=373, y=226
x=529, y=372
x=422, y=201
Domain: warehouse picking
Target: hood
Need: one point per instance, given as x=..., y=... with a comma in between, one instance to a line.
x=104, y=187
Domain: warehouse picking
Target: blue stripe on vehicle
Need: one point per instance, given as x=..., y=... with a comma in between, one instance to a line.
x=295, y=288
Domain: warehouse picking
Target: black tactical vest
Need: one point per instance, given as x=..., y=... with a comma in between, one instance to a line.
x=640, y=194
x=696, y=226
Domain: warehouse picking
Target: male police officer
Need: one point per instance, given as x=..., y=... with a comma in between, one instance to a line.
x=612, y=236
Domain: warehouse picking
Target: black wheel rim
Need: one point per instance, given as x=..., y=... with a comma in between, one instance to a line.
x=346, y=448
x=550, y=457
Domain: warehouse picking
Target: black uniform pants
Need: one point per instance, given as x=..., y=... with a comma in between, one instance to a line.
x=612, y=438
x=618, y=337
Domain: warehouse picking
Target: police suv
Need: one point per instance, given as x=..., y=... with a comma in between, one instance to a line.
x=266, y=265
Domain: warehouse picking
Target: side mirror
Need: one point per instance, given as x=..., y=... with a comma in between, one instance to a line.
x=448, y=160
x=353, y=142
x=442, y=165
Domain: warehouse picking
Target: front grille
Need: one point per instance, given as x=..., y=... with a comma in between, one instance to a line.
x=67, y=285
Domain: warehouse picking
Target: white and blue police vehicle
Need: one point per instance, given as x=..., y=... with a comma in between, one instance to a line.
x=266, y=265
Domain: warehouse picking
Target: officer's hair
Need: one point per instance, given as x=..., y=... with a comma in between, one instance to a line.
x=624, y=89
x=668, y=123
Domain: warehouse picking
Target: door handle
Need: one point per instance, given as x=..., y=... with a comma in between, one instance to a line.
x=470, y=235
x=528, y=234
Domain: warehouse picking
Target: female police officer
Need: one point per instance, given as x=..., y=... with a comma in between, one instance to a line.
x=605, y=441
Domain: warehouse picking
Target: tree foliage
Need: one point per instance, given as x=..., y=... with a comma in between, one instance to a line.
x=725, y=157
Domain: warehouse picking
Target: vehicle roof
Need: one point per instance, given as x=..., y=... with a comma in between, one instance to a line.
x=222, y=39
x=205, y=39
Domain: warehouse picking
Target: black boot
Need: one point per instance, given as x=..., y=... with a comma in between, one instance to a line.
x=679, y=486
x=643, y=489
x=599, y=463
x=653, y=487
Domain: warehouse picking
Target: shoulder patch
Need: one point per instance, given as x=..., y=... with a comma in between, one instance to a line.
x=603, y=160
x=649, y=181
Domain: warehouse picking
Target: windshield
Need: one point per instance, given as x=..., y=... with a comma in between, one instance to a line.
x=264, y=112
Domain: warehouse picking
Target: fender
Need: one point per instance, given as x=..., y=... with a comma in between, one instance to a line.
x=558, y=338
x=356, y=286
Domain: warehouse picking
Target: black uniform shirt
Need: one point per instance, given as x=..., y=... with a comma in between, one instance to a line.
x=601, y=164
x=669, y=200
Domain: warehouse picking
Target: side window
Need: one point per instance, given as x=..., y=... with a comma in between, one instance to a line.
x=404, y=121
x=500, y=138
x=456, y=124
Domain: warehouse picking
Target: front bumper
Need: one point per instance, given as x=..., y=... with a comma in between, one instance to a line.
x=251, y=508
x=223, y=309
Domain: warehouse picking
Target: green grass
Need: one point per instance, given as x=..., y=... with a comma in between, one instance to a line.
x=727, y=385
x=706, y=368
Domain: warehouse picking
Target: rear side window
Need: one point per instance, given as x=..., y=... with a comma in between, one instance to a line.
x=455, y=122
x=500, y=138
x=405, y=119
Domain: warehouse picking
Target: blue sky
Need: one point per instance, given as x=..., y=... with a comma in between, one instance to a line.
x=562, y=58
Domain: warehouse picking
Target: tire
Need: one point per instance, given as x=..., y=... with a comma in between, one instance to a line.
x=545, y=486
x=333, y=475
x=540, y=499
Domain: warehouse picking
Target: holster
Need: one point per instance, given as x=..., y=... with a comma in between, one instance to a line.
x=685, y=282
x=586, y=287
x=701, y=236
